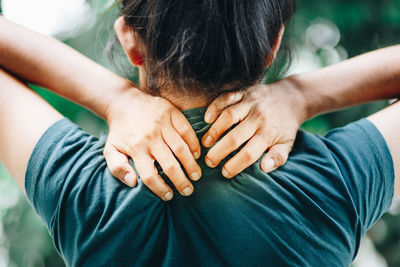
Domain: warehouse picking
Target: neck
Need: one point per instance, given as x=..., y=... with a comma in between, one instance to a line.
x=179, y=99
x=183, y=101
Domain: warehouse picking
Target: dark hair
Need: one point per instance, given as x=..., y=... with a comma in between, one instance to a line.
x=213, y=45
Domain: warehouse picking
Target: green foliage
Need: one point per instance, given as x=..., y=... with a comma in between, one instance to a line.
x=364, y=24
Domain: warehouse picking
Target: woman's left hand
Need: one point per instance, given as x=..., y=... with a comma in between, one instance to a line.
x=269, y=117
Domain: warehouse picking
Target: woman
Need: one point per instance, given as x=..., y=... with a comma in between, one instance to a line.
x=160, y=122
x=311, y=212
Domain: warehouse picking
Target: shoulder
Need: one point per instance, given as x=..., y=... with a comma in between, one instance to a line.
x=65, y=159
x=349, y=171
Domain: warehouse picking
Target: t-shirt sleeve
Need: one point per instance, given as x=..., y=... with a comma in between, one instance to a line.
x=70, y=187
x=59, y=157
x=366, y=166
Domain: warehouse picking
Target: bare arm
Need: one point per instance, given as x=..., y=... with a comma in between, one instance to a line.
x=270, y=115
x=24, y=117
x=369, y=77
x=388, y=123
x=49, y=63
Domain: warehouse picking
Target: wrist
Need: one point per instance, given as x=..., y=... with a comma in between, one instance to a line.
x=301, y=98
x=116, y=94
x=310, y=99
x=122, y=92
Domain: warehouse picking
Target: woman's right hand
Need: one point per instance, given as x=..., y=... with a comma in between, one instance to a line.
x=148, y=129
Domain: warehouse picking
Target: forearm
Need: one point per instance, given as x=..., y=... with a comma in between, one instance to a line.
x=369, y=77
x=49, y=63
x=24, y=117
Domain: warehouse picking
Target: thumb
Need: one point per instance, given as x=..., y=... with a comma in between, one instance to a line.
x=118, y=164
x=276, y=157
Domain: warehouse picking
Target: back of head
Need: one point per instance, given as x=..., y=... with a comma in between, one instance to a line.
x=208, y=45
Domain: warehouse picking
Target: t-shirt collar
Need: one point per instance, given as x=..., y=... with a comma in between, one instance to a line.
x=195, y=117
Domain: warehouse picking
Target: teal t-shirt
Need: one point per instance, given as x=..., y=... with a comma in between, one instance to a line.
x=311, y=212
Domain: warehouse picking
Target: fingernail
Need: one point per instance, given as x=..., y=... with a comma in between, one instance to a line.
x=209, y=163
x=196, y=155
x=208, y=118
x=268, y=165
x=168, y=196
x=187, y=191
x=130, y=179
x=225, y=173
x=207, y=141
x=195, y=176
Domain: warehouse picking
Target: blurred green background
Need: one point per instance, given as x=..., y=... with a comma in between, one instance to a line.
x=322, y=33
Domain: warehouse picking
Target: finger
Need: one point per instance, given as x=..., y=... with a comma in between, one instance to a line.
x=182, y=152
x=276, y=157
x=173, y=170
x=185, y=130
x=220, y=103
x=228, y=118
x=118, y=164
x=148, y=173
x=230, y=142
x=249, y=154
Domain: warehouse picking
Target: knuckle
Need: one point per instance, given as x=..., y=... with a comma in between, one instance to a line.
x=180, y=150
x=170, y=169
x=150, y=135
x=236, y=97
x=247, y=156
x=263, y=118
x=149, y=180
x=232, y=141
x=267, y=139
x=116, y=170
x=226, y=97
x=134, y=144
x=274, y=132
x=279, y=159
x=185, y=131
x=228, y=115
x=232, y=97
x=258, y=112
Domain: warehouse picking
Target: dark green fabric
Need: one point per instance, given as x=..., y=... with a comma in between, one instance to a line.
x=311, y=212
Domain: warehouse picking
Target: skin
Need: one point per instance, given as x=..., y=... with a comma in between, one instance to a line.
x=21, y=127
x=159, y=133
x=369, y=77
x=296, y=99
x=389, y=127
x=71, y=75
x=359, y=84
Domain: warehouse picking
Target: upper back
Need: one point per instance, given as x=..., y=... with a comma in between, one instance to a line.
x=311, y=211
